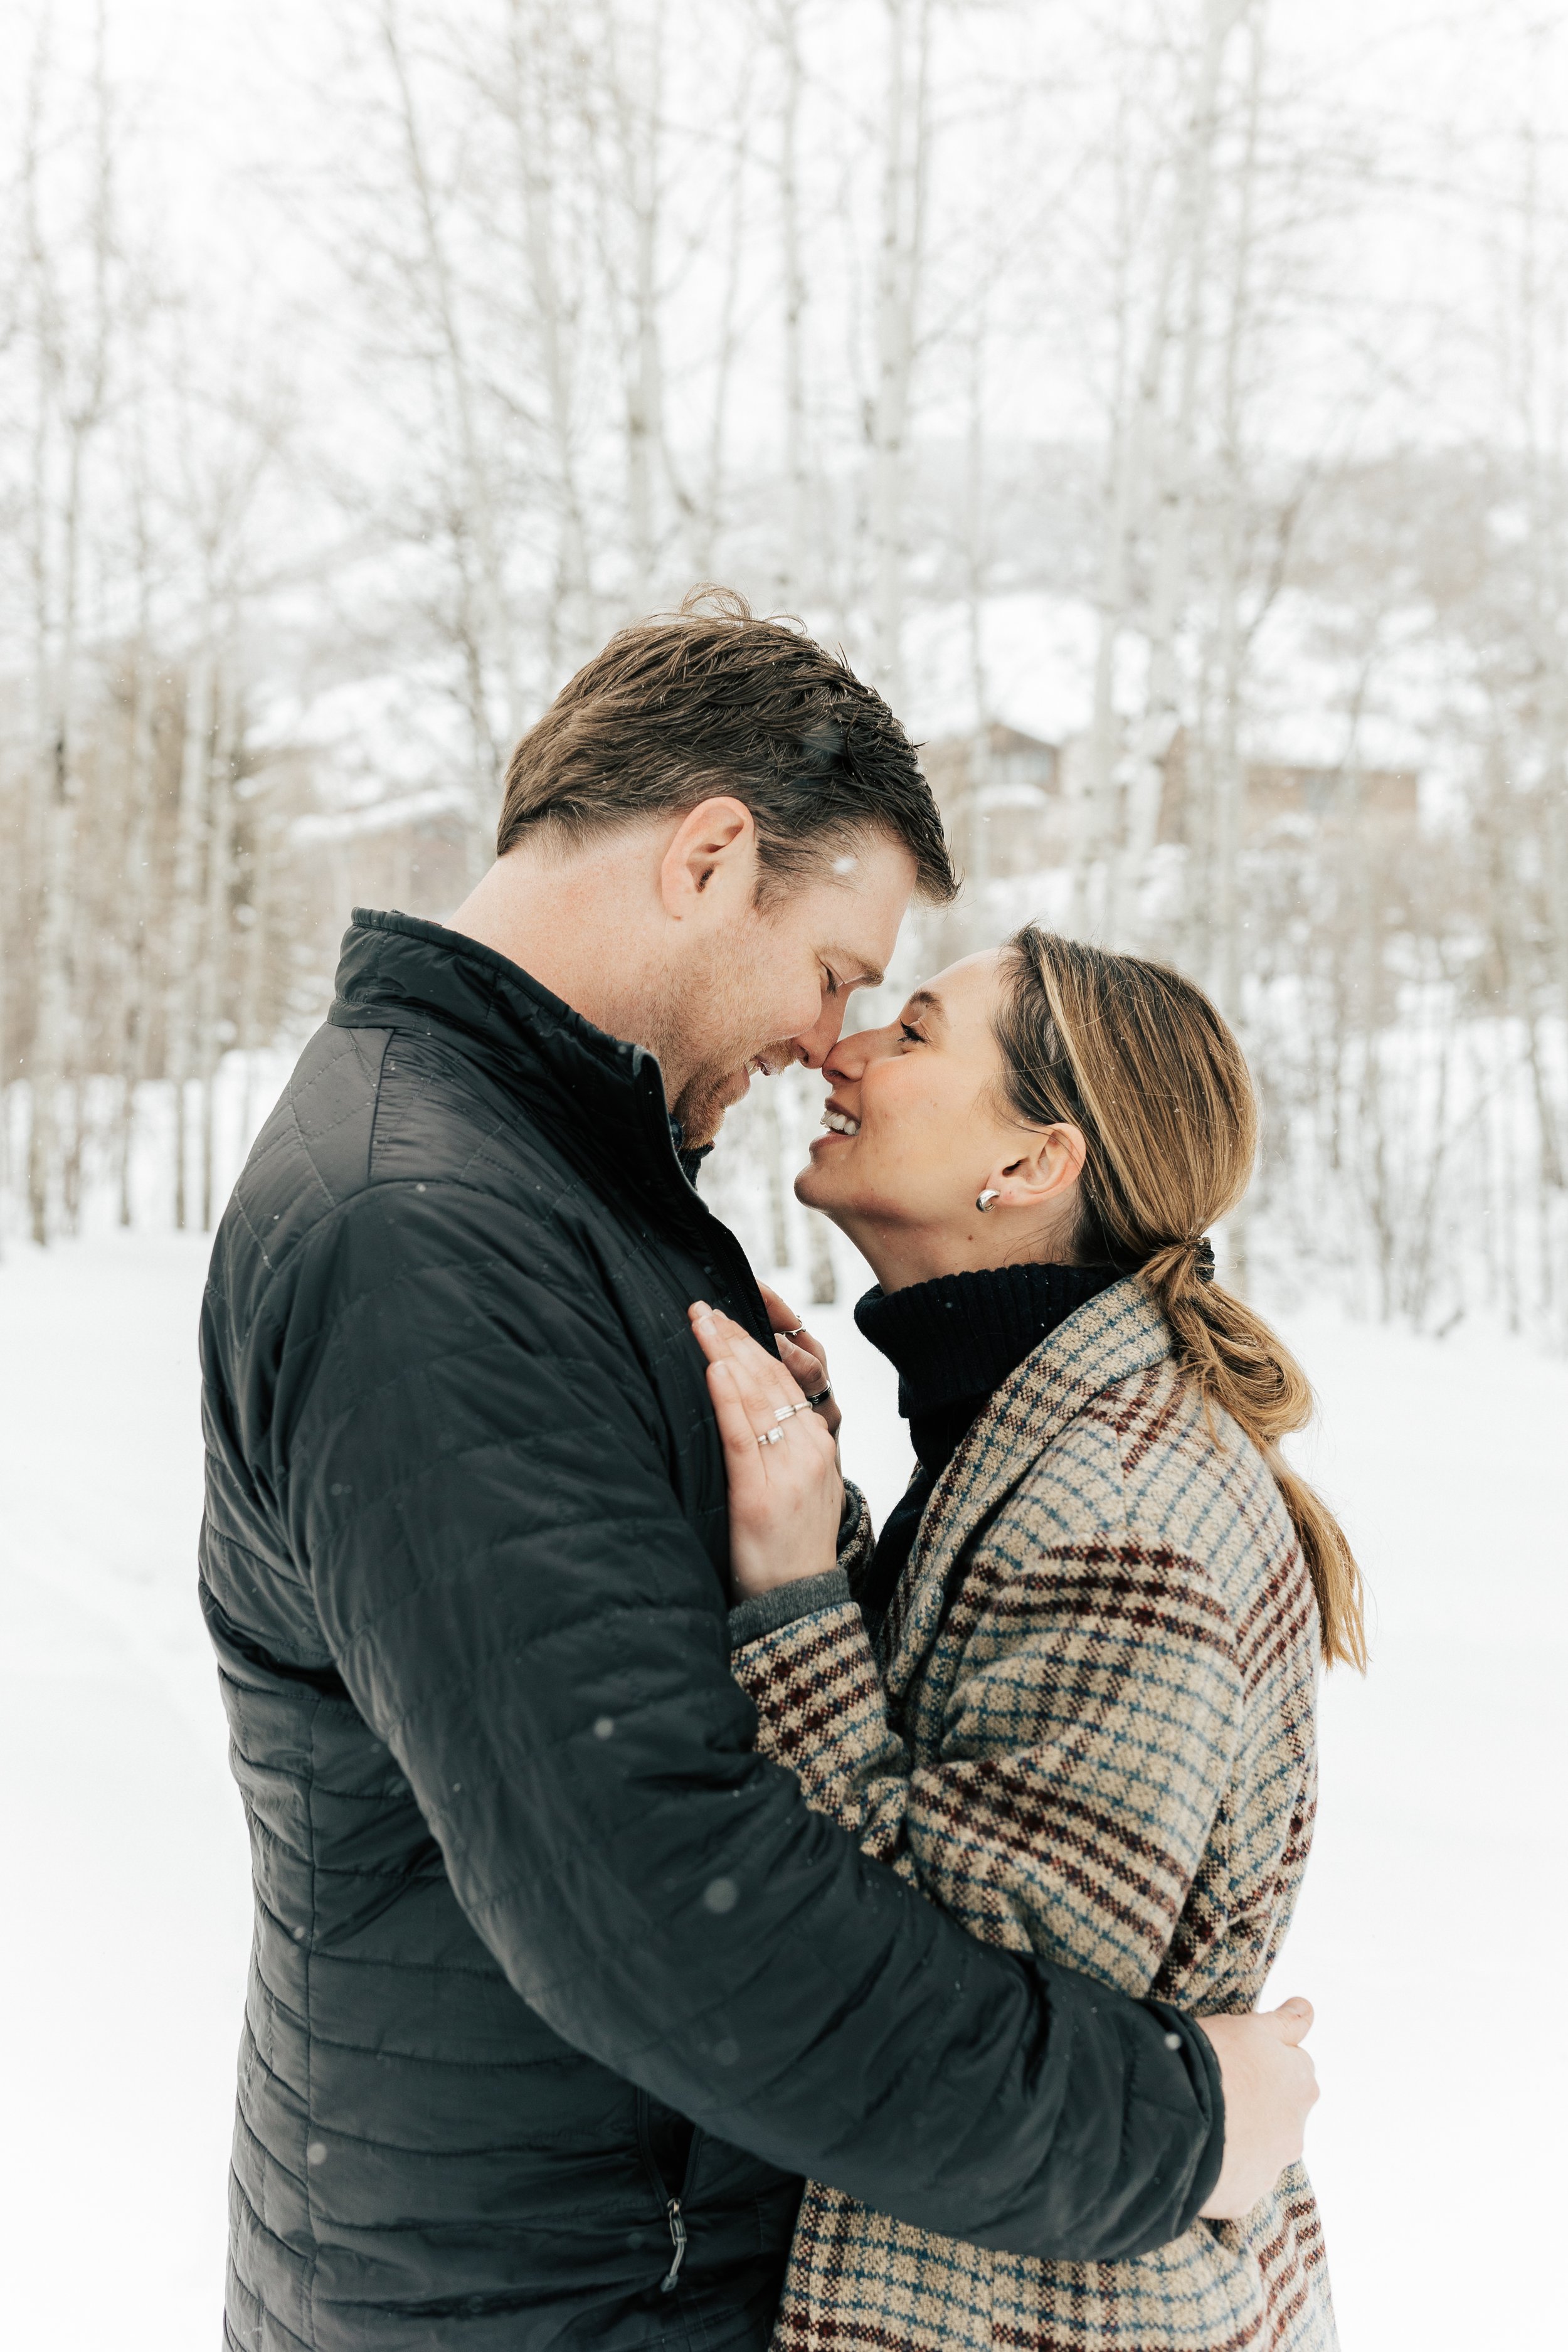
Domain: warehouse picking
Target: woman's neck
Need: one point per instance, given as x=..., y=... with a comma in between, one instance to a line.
x=901, y=1256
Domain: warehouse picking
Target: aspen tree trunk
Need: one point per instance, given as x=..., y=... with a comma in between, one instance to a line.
x=1227, y=776
x=645, y=407
x=976, y=567
x=711, y=513
x=540, y=53
x=976, y=844
x=259, y=943
x=1184, y=261
x=1094, y=808
x=57, y=838
x=823, y=1279
x=900, y=253
x=484, y=632
x=630, y=195
x=771, y=1136
x=215, y=949
x=257, y=930
x=135, y=897
x=187, y=899
x=792, y=566
x=60, y=793
x=71, y=388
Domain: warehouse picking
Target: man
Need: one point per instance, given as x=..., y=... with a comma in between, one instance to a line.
x=557, y=1987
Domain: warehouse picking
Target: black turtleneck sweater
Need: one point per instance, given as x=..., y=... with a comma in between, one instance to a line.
x=953, y=1341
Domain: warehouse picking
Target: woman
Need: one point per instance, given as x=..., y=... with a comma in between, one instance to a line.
x=1069, y=1693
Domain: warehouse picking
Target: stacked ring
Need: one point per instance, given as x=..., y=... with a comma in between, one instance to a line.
x=785, y=1412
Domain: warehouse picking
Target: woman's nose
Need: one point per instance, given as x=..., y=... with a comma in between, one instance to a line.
x=848, y=1058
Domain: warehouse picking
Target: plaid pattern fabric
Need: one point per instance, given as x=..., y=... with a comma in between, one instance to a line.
x=1088, y=1733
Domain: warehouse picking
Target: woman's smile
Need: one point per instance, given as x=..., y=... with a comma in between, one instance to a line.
x=836, y=1122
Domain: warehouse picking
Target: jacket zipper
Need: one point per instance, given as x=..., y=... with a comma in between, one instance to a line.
x=678, y=2239
x=674, y=2215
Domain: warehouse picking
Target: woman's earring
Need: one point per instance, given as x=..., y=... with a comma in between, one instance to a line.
x=984, y=1202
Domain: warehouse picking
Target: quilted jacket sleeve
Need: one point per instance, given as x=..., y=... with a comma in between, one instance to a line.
x=476, y=1489
x=1085, y=1743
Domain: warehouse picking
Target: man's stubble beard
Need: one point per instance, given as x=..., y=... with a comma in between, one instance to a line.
x=716, y=1047
x=708, y=1094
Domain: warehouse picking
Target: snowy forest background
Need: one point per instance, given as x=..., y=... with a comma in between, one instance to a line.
x=1166, y=402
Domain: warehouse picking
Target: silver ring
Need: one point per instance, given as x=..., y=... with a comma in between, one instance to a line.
x=788, y=1411
x=770, y=1437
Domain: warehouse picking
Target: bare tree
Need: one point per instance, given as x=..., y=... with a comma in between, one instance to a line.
x=541, y=95
x=900, y=250
x=75, y=300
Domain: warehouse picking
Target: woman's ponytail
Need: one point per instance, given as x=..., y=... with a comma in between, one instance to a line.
x=1141, y=1061
x=1238, y=1363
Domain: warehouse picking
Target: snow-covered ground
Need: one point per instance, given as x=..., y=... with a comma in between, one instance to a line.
x=1430, y=1935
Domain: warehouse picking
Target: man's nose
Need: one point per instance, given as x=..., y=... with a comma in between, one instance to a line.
x=814, y=1045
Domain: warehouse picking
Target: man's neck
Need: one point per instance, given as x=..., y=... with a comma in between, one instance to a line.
x=574, y=919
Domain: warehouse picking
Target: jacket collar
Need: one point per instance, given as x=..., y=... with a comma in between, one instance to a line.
x=1119, y=1333
x=600, y=1098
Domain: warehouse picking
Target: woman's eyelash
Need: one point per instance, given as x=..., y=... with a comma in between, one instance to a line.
x=912, y=1034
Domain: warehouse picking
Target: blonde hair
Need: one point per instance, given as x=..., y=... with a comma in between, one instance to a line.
x=1140, y=1061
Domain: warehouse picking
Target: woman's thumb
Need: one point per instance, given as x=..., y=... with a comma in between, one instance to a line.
x=1295, y=2017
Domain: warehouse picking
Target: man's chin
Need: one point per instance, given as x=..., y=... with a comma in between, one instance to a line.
x=700, y=1109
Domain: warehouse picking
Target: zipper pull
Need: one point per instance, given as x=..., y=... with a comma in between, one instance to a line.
x=678, y=2239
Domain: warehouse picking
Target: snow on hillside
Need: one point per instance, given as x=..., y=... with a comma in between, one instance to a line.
x=1430, y=1935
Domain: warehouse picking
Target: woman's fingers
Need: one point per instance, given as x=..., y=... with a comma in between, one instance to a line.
x=723, y=1339
x=739, y=1382
x=793, y=1336
x=744, y=1464
x=786, y=1497
x=802, y=1355
x=730, y=1408
x=805, y=1369
x=763, y=1382
x=781, y=1314
x=770, y=1399
x=794, y=1377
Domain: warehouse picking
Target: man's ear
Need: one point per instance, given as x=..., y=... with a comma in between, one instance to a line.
x=711, y=856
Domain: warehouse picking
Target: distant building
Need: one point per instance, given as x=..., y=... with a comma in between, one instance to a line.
x=1001, y=799
x=1007, y=799
x=1281, y=797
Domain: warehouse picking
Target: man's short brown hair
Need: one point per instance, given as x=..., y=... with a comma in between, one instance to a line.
x=708, y=701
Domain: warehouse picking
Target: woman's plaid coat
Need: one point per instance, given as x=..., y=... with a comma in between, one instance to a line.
x=1087, y=1732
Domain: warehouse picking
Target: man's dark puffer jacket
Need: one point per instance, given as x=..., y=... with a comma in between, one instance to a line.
x=525, y=1895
